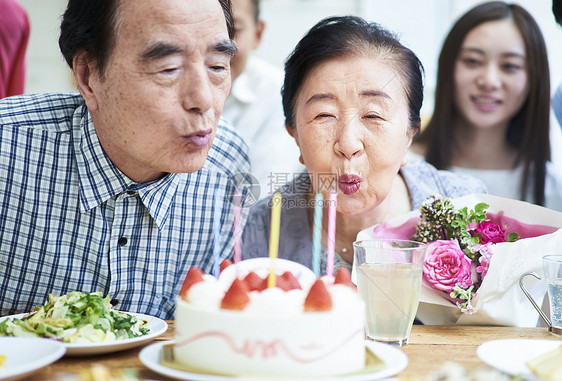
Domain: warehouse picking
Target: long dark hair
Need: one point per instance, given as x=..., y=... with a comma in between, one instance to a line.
x=528, y=130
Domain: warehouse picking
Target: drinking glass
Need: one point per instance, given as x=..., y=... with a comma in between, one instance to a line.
x=389, y=276
x=552, y=269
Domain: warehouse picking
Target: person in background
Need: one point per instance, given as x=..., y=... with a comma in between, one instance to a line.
x=14, y=36
x=492, y=105
x=352, y=97
x=114, y=189
x=557, y=98
x=254, y=104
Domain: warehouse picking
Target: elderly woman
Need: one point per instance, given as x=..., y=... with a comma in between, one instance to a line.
x=352, y=97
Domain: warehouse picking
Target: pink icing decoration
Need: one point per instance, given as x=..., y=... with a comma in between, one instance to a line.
x=252, y=349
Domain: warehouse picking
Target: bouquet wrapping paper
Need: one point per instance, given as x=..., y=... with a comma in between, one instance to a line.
x=499, y=300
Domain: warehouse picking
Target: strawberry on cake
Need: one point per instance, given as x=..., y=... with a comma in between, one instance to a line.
x=236, y=326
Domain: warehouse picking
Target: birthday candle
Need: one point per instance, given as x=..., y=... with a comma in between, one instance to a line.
x=317, y=234
x=217, y=207
x=331, y=233
x=237, y=231
x=274, y=237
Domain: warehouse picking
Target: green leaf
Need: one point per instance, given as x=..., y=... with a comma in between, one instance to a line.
x=512, y=237
x=4, y=327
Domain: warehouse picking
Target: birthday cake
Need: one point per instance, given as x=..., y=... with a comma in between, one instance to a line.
x=238, y=326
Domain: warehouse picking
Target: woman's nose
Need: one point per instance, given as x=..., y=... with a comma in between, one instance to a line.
x=349, y=141
x=489, y=78
x=197, y=91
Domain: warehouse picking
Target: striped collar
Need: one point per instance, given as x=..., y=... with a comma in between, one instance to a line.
x=100, y=180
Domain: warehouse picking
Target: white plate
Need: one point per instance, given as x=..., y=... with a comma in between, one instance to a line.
x=155, y=325
x=394, y=359
x=27, y=355
x=510, y=355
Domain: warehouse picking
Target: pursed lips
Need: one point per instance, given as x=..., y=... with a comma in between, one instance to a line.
x=200, y=138
x=349, y=183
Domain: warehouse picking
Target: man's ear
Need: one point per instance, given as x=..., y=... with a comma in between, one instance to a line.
x=260, y=27
x=85, y=73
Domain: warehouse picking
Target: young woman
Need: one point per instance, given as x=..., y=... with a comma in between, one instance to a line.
x=492, y=99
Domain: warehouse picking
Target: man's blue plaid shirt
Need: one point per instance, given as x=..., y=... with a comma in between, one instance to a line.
x=70, y=220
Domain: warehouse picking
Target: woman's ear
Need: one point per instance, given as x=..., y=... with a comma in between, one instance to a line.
x=412, y=133
x=85, y=73
x=293, y=132
x=410, y=137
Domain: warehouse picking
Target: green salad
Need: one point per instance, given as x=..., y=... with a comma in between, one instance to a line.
x=76, y=318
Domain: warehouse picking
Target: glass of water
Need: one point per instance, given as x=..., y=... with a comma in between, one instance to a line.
x=552, y=267
x=389, y=277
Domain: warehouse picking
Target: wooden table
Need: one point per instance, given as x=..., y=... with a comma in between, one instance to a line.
x=429, y=348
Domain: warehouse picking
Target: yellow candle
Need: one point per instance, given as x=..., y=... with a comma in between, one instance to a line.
x=274, y=237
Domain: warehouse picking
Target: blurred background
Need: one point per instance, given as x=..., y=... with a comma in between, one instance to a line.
x=421, y=26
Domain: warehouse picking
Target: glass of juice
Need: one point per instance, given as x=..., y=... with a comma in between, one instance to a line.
x=389, y=276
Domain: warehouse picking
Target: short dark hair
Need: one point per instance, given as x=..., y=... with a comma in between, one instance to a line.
x=557, y=11
x=528, y=130
x=340, y=36
x=90, y=26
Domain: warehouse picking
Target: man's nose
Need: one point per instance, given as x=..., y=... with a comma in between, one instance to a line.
x=197, y=91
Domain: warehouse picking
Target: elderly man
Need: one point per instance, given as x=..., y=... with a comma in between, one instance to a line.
x=117, y=189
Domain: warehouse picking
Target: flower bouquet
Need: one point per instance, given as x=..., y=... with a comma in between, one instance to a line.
x=478, y=247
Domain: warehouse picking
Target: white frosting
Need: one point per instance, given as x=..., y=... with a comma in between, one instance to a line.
x=272, y=336
x=206, y=295
x=275, y=302
x=344, y=298
x=262, y=267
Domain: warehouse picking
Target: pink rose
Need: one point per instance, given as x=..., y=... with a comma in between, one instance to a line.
x=490, y=232
x=445, y=266
x=485, y=258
